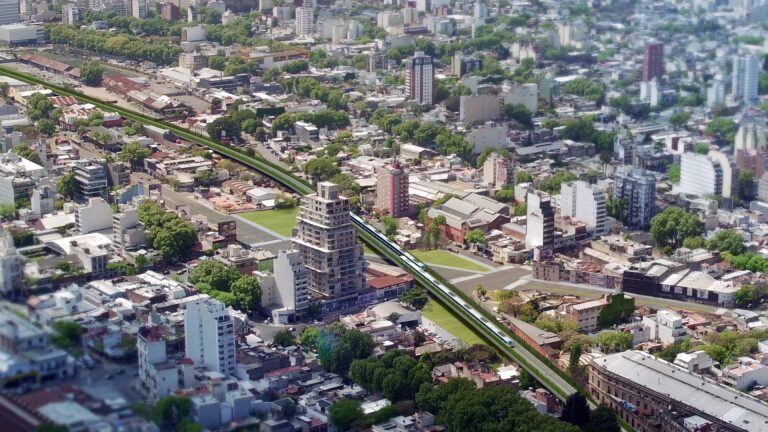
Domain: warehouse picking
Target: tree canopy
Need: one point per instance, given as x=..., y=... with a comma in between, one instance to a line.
x=168, y=233
x=460, y=406
x=673, y=225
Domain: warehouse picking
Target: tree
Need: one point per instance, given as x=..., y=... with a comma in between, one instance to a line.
x=224, y=127
x=614, y=341
x=727, y=241
x=168, y=233
x=395, y=375
x=141, y=263
x=518, y=113
x=39, y=107
x=296, y=67
x=250, y=125
x=746, y=295
x=121, y=268
x=260, y=134
x=694, y=243
x=616, y=208
x=723, y=128
x=390, y=225
x=480, y=291
x=91, y=73
x=476, y=237
x=48, y=427
x=217, y=62
x=284, y=338
x=552, y=184
x=134, y=153
x=321, y=169
x=586, y=88
x=523, y=176
x=701, y=148
x=27, y=152
x=673, y=225
x=746, y=185
x=576, y=410
x=505, y=194
x=416, y=297
x=673, y=173
x=345, y=412
x=679, y=119
x=67, y=334
x=247, y=293
x=309, y=337
x=602, y=419
x=46, y=127
x=7, y=211
x=619, y=309
x=215, y=273
x=460, y=406
x=574, y=357
x=170, y=411
x=338, y=347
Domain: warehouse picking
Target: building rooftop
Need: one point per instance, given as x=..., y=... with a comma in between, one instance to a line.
x=718, y=401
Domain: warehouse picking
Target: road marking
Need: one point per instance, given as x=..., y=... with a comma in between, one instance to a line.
x=264, y=243
x=517, y=283
x=466, y=278
x=261, y=228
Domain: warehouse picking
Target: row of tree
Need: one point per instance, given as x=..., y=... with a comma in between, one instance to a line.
x=121, y=45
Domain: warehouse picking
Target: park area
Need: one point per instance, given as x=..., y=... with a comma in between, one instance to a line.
x=280, y=221
x=435, y=312
x=448, y=259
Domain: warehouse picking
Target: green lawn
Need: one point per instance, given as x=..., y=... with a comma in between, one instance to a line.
x=440, y=315
x=280, y=221
x=441, y=257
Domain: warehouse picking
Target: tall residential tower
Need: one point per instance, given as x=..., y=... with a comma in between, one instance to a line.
x=327, y=242
x=209, y=335
x=392, y=190
x=420, y=78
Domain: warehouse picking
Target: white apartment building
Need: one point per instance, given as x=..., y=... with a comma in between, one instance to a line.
x=210, y=335
x=387, y=20
x=574, y=34
x=420, y=78
x=70, y=14
x=526, y=95
x=327, y=243
x=292, y=286
x=479, y=108
x=585, y=203
x=158, y=376
x=127, y=232
x=43, y=199
x=540, y=220
x=282, y=13
x=480, y=11
x=305, y=21
x=140, y=8
x=705, y=174
x=716, y=94
x=650, y=92
x=666, y=326
x=744, y=78
x=751, y=135
x=496, y=171
x=94, y=216
x=11, y=264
